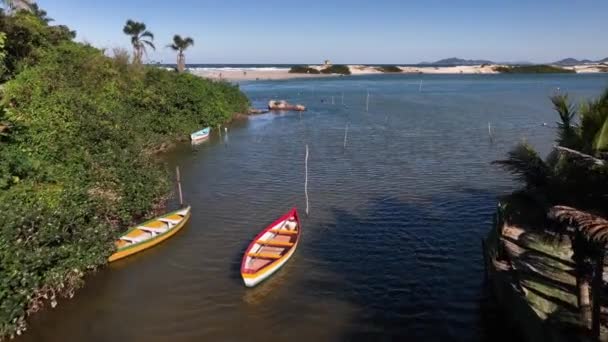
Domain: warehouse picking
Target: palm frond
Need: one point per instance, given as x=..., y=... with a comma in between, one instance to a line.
x=177, y=40
x=149, y=43
x=526, y=164
x=594, y=124
x=593, y=227
x=129, y=27
x=567, y=130
x=147, y=34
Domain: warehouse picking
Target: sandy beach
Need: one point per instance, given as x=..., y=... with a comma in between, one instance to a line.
x=252, y=74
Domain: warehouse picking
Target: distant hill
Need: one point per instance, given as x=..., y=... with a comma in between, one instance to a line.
x=574, y=61
x=458, y=61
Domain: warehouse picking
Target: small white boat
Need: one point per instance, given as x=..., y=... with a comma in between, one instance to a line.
x=271, y=249
x=200, y=135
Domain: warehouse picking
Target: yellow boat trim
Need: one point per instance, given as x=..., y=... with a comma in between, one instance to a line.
x=128, y=250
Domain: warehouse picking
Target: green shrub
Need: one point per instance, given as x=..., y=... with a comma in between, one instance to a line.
x=336, y=69
x=303, y=69
x=533, y=69
x=389, y=68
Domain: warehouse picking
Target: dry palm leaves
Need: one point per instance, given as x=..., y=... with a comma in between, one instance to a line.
x=593, y=227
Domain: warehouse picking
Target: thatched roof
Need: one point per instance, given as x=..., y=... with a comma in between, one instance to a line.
x=594, y=227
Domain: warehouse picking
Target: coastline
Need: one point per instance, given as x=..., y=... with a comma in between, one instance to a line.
x=282, y=73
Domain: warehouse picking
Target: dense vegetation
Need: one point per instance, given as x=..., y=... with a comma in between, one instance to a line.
x=571, y=187
x=77, y=129
x=336, y=69
x=332, y=69
x=389, y=68
x=303, y=69
x=533, y=69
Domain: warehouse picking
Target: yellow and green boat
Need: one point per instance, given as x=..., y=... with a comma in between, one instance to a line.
x=150, y=233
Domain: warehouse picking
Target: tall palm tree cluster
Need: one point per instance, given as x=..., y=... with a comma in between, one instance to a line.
x=572, y=185
x=142, y=38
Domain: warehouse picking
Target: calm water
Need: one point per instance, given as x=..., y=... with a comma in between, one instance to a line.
x=391, y=249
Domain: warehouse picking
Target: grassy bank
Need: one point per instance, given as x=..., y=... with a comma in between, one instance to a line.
x=76, y=131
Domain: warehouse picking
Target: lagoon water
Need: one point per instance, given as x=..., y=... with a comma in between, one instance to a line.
x=391, y=248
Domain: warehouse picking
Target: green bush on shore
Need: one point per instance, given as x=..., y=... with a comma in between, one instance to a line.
x=303, y=69
x=532, y=69
x=336, y=69
x=389, y=68
x=76, y=167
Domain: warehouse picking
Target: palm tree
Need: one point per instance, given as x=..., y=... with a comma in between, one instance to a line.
x=574, y=173
x=40, y=13
x=180, y=45
x=527, y=165
x=140, y=37
x=594, y=125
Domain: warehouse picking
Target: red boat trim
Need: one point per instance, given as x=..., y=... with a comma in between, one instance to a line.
x=293, y=212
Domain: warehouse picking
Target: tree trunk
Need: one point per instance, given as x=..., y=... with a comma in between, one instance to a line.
x=584, y=300
x=597, y=284
x=181, y=62
x=136, y=55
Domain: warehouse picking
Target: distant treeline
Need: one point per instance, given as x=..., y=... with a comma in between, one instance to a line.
x=331, y=69
x=533, y=69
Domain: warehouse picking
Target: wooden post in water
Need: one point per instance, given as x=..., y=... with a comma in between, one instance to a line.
x=306, y=179
x=485, y=259
x=219, y=131
x=179, y=186
x=345, y=135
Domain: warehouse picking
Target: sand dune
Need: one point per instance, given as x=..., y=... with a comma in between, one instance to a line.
x=252, y=74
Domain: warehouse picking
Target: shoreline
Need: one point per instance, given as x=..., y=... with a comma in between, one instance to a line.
x=282, y=73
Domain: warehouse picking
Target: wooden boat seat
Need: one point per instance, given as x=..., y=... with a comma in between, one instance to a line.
x=284, y=232
x=136, y=239
x=277, y=243
x=174, y=219
x=265, y=255
x=152, y=230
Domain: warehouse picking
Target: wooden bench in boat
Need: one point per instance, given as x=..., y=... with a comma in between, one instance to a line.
x=135, y=239
x=275, y=243
x=155, y=227
x=174, y=219
x=265, y=255
x=284, y=231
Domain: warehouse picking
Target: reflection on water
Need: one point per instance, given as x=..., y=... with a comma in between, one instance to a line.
x=391, y=248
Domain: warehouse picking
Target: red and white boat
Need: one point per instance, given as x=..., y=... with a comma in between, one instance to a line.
x=271, y=249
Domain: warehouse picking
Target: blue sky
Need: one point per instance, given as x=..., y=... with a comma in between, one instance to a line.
x=356, y=31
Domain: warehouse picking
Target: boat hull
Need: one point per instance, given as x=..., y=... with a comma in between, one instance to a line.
x=275, y=236
x=252, y=280
x=138, y=247
x=200, y=135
